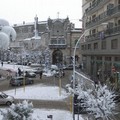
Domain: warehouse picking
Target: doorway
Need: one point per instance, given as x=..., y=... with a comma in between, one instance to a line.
x=57, y=57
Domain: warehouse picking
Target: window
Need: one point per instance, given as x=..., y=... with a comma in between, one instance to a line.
x=93, y=31
x=95, y=45
x=117, y=58
x=76, y=42
x=108, y=58
x=82, y=47
x=103, y=45
x=118, y=1
x=29, y=29
x=114, y=44
x=99, y=57
x=118, y=22
x=53, y=41
x=85, y=47
x=59, y=41
x=89, y=46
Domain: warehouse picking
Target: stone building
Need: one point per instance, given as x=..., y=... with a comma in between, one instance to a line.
x=101, y=51
x=59, y=35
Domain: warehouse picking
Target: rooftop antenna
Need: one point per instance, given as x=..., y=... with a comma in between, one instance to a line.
x=36, y=25
x=58, y=14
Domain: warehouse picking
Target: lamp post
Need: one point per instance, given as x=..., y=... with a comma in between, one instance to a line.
x=74, y=62
x=74, y=68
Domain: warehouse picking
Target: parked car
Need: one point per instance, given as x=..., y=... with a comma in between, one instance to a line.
x=30, y=74
x=6, y=99
x=37, y=70
x=18, y=81
x=70, y=67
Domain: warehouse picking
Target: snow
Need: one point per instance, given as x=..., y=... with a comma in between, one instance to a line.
x=41, y=92
x=41, y=114
x=4, y=22
x=9, y=31
x=38, y=92
x=14, y=67
x=4, y=41
x=57, y=114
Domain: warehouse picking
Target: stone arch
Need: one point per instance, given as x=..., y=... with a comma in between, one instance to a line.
x=57, y=57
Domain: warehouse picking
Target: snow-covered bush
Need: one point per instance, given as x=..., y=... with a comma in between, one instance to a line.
x=99, y=101
x=19, y=111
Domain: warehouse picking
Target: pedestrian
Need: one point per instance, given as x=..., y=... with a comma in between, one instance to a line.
x=41, y=74
x=2, y=63
x=63, y=73
x=19, y=72
x=80, y=66
x=98, y=74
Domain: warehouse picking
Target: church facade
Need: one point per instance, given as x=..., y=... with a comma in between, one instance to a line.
x=58, y=35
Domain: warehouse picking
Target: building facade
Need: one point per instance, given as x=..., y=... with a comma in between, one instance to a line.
x=100, y=49
x=59, y=35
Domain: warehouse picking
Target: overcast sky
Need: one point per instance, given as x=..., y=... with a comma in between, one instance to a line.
x=17, y=11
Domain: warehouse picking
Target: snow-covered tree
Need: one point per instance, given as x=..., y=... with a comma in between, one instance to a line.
x=19, y=111
x=100, y=101
x=47, y=58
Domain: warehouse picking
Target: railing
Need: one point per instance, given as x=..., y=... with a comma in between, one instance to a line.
x=94, y=5
x=103, y=16
x=54, y=46
x=84, y=80
x=113, y=31
x=103, y=34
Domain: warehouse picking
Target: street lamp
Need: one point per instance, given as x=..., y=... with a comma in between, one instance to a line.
x=74, y=68
x=74, y=71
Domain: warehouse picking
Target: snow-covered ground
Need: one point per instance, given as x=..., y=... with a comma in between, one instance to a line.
x=42, y=114
x=40, y=92
x=13, y=67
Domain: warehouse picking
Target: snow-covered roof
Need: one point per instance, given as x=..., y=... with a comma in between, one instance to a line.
x=29, y=23
x=4, y=41
x=36, y=37
x=9, y=31
x=27, y=39
x=4, y=22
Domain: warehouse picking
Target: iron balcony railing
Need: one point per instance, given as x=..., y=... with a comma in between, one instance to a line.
x=105, y=15
x=103, y=34
x=95, y=6
x=60, y=46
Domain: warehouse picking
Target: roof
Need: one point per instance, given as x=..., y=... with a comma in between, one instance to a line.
x=29, y=23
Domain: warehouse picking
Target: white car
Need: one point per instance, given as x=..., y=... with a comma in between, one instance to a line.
x=6, y=99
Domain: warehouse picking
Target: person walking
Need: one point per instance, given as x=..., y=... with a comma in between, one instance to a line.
x=41, y=74
x=1, y=63
x=19, y=72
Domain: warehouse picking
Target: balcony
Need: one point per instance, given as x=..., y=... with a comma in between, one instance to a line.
x=95, y=6
x=59, y=46
x=113, y=12
x=104, y=34
x=92, y=37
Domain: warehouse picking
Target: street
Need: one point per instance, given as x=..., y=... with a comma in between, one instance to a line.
x=49, y=81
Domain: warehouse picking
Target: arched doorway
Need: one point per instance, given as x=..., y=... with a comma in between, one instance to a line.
x=57, y=57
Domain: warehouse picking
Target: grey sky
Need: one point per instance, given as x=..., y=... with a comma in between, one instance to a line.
x=17, y=11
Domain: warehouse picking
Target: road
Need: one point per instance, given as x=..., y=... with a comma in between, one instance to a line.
x=49, y=81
